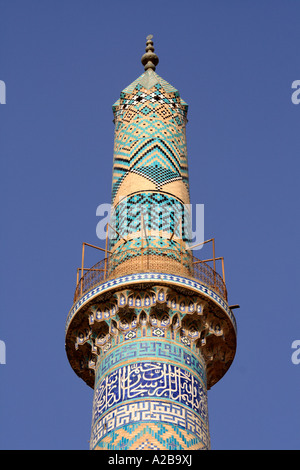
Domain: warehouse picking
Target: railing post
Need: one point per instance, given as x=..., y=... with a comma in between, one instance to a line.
x=82, y=265
x=214, y=260
x=106, y=242
x=223, y=271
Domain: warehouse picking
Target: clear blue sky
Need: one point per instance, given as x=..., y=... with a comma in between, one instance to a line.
x=64, y=64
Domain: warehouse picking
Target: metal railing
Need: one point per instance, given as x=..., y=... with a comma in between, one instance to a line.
x=180, y=262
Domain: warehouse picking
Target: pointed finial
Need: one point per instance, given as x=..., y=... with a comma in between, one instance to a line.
x=150, y=59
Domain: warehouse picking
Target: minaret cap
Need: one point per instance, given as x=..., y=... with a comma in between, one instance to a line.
x=150, y=59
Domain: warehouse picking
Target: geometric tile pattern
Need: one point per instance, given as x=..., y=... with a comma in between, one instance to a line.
x=150, y=134
x=149, y=435
x=161, y=212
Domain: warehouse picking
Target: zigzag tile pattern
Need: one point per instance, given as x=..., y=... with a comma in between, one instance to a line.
x=161, y=213
x=150, y=436
x=150, y=134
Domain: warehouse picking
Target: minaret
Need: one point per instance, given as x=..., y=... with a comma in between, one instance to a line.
x=150, y=329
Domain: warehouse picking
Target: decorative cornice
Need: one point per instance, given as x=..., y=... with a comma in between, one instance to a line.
x=138, y=278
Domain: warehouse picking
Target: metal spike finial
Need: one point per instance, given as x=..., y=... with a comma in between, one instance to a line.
x=149, y=59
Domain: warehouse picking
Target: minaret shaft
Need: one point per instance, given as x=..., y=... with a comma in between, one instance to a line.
x=150, y=193
x=152, y=331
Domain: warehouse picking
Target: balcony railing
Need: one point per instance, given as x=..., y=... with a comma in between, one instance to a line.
x=150, y=260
